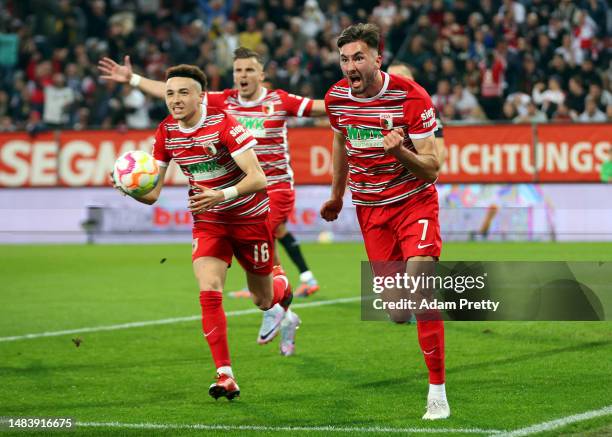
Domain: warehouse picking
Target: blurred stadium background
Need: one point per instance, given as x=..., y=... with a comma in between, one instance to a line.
x=523, y=90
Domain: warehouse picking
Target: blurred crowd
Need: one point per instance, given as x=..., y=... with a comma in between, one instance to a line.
x=520, y=61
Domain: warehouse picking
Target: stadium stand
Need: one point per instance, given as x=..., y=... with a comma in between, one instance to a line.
x=530, y=60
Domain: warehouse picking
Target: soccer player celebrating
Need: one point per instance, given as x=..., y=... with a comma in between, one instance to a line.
x=265, y=114
x=229, y=205
x=384, y=147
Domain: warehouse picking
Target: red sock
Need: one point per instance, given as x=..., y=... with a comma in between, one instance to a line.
x=214, y=326
x=281, y=291
x=431, y=340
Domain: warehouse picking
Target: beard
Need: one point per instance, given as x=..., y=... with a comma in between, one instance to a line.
x=365, y=80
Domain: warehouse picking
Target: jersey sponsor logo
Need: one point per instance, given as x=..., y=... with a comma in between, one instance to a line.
x=364, y=138
x=428, y=117
x=254, y=125
x=386, y=121
x=268, y=108
x=204, y=171
x=239, y=133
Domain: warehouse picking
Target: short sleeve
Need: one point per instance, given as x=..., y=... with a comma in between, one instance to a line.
x=295, y=106
x=419, y=114
x=159, y=146
x=333, y=120
x=215, y=98
x=235, y=136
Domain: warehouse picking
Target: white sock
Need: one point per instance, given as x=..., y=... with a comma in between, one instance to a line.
x=437, y=391
x=306, y=276
x=226, y=370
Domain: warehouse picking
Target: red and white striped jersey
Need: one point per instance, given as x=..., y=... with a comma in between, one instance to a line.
x=205, y=153
x=377, y=178
x=266, y=119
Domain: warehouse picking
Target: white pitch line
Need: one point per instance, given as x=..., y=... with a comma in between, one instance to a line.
x=166, y=321
x=558, y=423
x=328, y=428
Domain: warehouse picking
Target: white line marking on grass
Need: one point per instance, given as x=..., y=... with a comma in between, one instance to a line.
x=558, y=423
x=166, y=321
x=287, y=428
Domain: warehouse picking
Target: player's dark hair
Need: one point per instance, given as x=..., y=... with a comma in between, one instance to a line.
x=368, y=33
x=190, y=71
x=244, y=53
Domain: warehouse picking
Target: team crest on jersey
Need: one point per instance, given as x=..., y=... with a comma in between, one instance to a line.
x=268, y=108
x=386, y=121
x=209, y=148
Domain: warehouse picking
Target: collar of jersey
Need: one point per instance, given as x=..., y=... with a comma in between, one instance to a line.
x=264, y=93
x=199, y=124
x=371, y=99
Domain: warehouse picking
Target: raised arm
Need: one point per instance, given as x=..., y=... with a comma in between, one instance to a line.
x=331, y=209
x=123, y=74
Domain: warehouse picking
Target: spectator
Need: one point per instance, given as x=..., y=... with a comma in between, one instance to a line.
x=442, y=97
x=251, y=37
x=491, y=87
x=494, y=48
x=550, y=98
x=603, y=98
x=384, y=13
x=313, y=19
x=465, y=103
x=532, y=75
x=515, y=8
x=136, y=108
x=228, y=41
x=591, y=112
x=58, y=99
x=576, y=95
x=533, y=115
x=562, y=113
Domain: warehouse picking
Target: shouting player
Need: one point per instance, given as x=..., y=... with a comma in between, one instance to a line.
x=384, y=147
x=229, y=204
x=265, y=115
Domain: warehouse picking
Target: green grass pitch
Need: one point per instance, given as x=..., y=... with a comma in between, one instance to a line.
x=346, y=373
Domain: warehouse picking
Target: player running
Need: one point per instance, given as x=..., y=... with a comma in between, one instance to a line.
x=384, y=147
x=264, y=113
x=229, y=204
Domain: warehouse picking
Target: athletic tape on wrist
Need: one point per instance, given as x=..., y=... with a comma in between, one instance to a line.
x=229, y=193
x=135, y=79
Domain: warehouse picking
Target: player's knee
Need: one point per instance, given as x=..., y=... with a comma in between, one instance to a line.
x=211, y=284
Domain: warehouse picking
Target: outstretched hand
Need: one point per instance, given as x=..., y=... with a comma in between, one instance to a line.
x=112, y=71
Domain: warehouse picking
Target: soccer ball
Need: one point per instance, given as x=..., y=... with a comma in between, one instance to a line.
x=136, y=172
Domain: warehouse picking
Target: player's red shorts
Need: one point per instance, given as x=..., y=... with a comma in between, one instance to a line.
x=251, y=244
x=281, y=205
x=402, y=230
